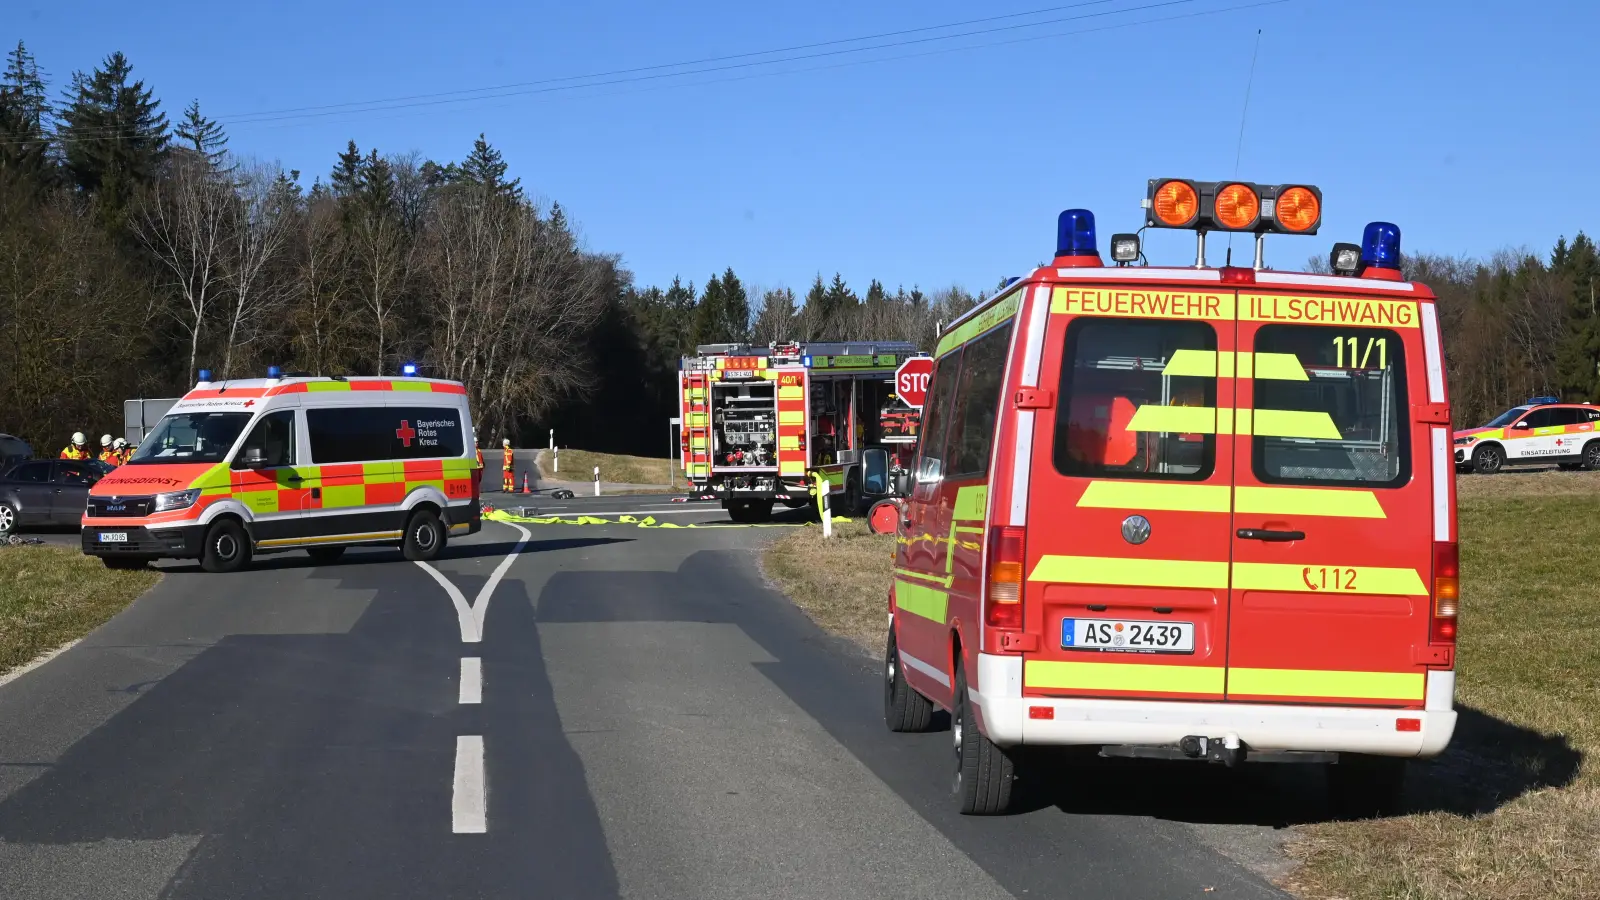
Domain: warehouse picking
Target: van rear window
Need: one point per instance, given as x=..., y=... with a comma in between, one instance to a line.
x=1111, y=369
x=379, y=433
x=1348, y=417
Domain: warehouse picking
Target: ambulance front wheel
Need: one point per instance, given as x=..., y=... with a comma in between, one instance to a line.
x=227, y=547
x=1488, y=460
x=424, y=536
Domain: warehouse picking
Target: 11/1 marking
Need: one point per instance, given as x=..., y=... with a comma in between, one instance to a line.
x=1364, y=354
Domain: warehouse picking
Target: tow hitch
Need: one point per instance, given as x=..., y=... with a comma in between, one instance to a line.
x=1227, y=750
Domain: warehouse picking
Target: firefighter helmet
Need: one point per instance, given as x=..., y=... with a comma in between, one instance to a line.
x=78, y=439
x=105, y=440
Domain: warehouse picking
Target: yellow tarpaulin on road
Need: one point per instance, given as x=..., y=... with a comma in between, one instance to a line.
x=500, y=515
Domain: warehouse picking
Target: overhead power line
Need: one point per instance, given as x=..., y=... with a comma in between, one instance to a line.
x=552, y=89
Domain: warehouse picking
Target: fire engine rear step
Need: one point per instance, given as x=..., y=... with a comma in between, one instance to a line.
x=1227, y=750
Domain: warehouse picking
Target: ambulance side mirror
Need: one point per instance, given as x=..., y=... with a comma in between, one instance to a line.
x=252, y=458
x=1522, y=424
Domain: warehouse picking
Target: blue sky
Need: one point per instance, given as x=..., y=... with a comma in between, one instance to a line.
x=1463, y=122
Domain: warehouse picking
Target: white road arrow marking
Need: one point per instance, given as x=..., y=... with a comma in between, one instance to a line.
x=470, y=616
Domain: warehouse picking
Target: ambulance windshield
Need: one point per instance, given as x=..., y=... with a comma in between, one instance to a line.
x=192, y=438
x=1507, y=417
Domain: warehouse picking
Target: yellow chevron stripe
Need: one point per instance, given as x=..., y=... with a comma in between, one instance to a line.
x=1155, y=495
x=1330, y=578
x=1308, y=501
x=1131, y=572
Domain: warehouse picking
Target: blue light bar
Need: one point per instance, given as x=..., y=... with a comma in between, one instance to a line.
x=1075, y=233
x=205, y=374
x=1380, y=246
x=408, y=369
x=1535, y=401
x=274, y=372
x=805, y=361
x=1012, y=280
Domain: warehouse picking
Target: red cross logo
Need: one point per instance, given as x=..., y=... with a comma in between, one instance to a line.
x=405, y=432
x=1558, y=442
x=249, y=403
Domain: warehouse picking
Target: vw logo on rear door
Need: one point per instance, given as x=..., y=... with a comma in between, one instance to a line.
x=1136, y=529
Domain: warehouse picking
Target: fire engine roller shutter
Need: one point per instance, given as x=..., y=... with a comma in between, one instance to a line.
x=791, y=424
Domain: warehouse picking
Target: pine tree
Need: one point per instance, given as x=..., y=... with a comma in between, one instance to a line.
x=680, y=310
x=27, y=86
x=24, y=118
x=203, y=136
x=376, y=183
x=115, y=134
x=839, y=305
x=345, y=182
x=486, y=168
x=708, y=314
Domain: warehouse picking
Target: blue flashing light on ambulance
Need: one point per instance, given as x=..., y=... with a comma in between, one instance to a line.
x=1188, y=512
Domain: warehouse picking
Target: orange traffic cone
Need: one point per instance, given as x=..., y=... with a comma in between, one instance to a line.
x=525, y=488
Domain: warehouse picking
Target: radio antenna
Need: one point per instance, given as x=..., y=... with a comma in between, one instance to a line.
x=1238, y=154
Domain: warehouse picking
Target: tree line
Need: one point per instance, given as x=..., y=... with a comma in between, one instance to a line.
x=135, y=251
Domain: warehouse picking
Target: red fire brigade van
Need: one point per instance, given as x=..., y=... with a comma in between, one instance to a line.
x=1186, y=513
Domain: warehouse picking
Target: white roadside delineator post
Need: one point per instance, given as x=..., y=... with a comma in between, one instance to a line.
x=822, y=507
x=556, y=452
x=597, y=481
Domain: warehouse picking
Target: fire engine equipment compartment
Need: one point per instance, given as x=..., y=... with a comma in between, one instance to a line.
x=744, y=426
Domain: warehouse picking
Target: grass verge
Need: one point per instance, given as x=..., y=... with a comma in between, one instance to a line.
x=843, y=583
x=52, y=595
x=1512, y=809
x=578, y=465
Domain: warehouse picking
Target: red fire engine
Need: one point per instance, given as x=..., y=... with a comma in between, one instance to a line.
x=760, y=422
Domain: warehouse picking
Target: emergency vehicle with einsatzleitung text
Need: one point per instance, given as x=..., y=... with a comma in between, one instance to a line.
x=1185, y=513
x=1542, y=432
x=761, y=424
x=293, y=461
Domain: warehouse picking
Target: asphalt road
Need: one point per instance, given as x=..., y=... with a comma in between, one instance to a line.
x=651, y=721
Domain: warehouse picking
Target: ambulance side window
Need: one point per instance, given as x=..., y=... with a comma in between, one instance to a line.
x=274, y=437
x=1334, y=414
x=1122, y=415
x=983, y=369
x=936, y=418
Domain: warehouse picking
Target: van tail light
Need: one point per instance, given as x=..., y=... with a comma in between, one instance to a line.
x=1446, y=593
x=1003, y=600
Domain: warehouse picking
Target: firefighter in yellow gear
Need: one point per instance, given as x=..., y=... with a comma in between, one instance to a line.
x=509, y=467
x=108, y=454
x=78, y=449
x=123, y=452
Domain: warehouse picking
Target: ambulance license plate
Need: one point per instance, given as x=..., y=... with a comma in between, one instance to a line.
x=113, y=537
x=1124, y=636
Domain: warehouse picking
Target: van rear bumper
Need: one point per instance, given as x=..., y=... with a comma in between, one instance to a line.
x=1342, y=729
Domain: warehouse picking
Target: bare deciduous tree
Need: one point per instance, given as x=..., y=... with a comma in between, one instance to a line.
x=259, y=228
x=183, y=221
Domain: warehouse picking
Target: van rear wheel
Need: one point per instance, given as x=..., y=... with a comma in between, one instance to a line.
x=985, y=771
x=424, y=536
x=227, y=547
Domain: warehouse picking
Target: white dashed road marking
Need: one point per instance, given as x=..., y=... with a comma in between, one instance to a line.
x=471, y=679
x=469, y=800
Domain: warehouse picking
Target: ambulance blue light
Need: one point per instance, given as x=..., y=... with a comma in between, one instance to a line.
x=1536, y=401
x=274, y=372
x=1380, y=246
x=805, y=361
x=1075, y=233
x=205, y=374
x=408, y=369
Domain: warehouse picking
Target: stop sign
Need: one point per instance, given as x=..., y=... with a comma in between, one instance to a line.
x=911, y=380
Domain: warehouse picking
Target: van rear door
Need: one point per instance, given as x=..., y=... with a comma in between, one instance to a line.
x=1333, y=539
x=1128, y=523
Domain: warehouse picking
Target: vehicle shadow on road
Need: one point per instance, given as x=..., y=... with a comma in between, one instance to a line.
x=1489, y=763
x=297, y=559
